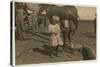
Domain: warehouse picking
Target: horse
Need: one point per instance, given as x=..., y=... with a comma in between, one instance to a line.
x=69, y=12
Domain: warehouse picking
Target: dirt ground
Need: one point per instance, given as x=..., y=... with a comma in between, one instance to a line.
x=32, y=50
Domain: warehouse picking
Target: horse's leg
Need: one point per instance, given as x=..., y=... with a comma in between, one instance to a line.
x=73, y=33
x=44, y=22
x=64, y=40
x=38, y=22
x=70, y=38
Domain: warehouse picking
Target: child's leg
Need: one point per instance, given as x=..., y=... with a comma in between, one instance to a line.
x=54, y=46
x=56, y=50
x=61, y=48
x=60, y=43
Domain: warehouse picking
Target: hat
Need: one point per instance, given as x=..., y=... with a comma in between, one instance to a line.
x=43, y=12
x=55, y=18
x=29, y=11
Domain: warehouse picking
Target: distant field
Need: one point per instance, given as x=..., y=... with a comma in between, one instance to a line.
x=86, y=20
x=86, y=26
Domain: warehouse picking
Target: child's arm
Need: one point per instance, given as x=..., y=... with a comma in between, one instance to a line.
x=58, y=28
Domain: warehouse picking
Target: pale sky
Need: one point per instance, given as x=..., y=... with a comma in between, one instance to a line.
x=87, y=13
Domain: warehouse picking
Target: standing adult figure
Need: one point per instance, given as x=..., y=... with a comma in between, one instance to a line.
x=19, y=22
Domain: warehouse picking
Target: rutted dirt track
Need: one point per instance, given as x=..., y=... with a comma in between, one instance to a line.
x=32, y=50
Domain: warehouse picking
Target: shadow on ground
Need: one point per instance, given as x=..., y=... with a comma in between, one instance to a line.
x=45, y=50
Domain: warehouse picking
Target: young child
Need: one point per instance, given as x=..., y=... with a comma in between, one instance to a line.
x=55, y=34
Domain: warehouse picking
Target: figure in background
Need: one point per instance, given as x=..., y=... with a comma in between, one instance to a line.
x=68, y=27
x=19, y=23
x=34, y=21
x=73, y=25
x=65, y=32
x=42, y=19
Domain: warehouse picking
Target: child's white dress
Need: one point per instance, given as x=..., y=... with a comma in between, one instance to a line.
x=55, y=39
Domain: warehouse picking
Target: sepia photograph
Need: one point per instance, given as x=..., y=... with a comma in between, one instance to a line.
x=51, y=33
